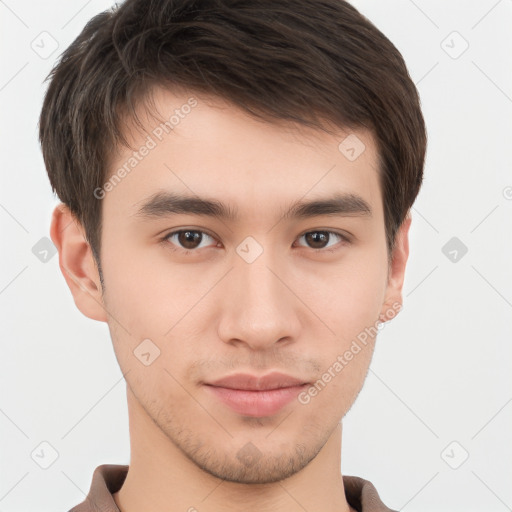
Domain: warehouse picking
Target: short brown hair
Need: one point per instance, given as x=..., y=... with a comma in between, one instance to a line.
x=298, y=60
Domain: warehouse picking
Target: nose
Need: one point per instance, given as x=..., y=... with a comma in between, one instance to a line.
x=259, y=308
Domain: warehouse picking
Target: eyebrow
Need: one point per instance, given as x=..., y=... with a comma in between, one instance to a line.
x=164, y=204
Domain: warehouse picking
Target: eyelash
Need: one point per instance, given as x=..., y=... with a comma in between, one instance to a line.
x=166, y=239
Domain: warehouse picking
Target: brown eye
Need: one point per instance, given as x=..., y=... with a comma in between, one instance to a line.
x=317, y=239
x=321, y=240
x=187, y=239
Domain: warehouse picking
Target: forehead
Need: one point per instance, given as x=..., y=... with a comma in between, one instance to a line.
x=201, y=145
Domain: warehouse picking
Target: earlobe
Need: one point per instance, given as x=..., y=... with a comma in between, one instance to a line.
x=393, y=298
x=77, y=263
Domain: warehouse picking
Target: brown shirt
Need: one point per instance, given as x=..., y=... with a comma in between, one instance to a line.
x=108, y=479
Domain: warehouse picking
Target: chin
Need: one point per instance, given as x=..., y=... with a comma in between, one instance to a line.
x=265, y=470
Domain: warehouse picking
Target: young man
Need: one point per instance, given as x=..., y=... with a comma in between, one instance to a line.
x=236, y=179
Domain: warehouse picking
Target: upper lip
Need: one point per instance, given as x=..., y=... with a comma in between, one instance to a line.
x=245, y=381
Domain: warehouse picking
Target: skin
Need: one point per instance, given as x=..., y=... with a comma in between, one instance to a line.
x=212, y=314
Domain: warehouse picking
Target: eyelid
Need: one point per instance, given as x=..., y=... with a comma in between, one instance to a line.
x=166, y=238
x=345, y=237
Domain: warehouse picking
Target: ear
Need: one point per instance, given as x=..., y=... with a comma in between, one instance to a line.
x=393, y=297
x=77, y=263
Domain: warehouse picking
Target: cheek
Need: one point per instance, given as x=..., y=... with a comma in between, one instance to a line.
x=348, y=300
x=342, y=378
x=155, y=368
x=147, y=296
x=348, y=297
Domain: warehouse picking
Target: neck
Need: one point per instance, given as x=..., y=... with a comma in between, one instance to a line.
x=161, y=478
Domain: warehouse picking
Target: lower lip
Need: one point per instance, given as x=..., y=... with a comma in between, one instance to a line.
x=256, y=403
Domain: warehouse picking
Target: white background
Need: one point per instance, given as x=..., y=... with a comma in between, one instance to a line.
x=442, y=369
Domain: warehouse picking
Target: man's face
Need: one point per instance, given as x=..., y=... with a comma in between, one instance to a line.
x=259, y=293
